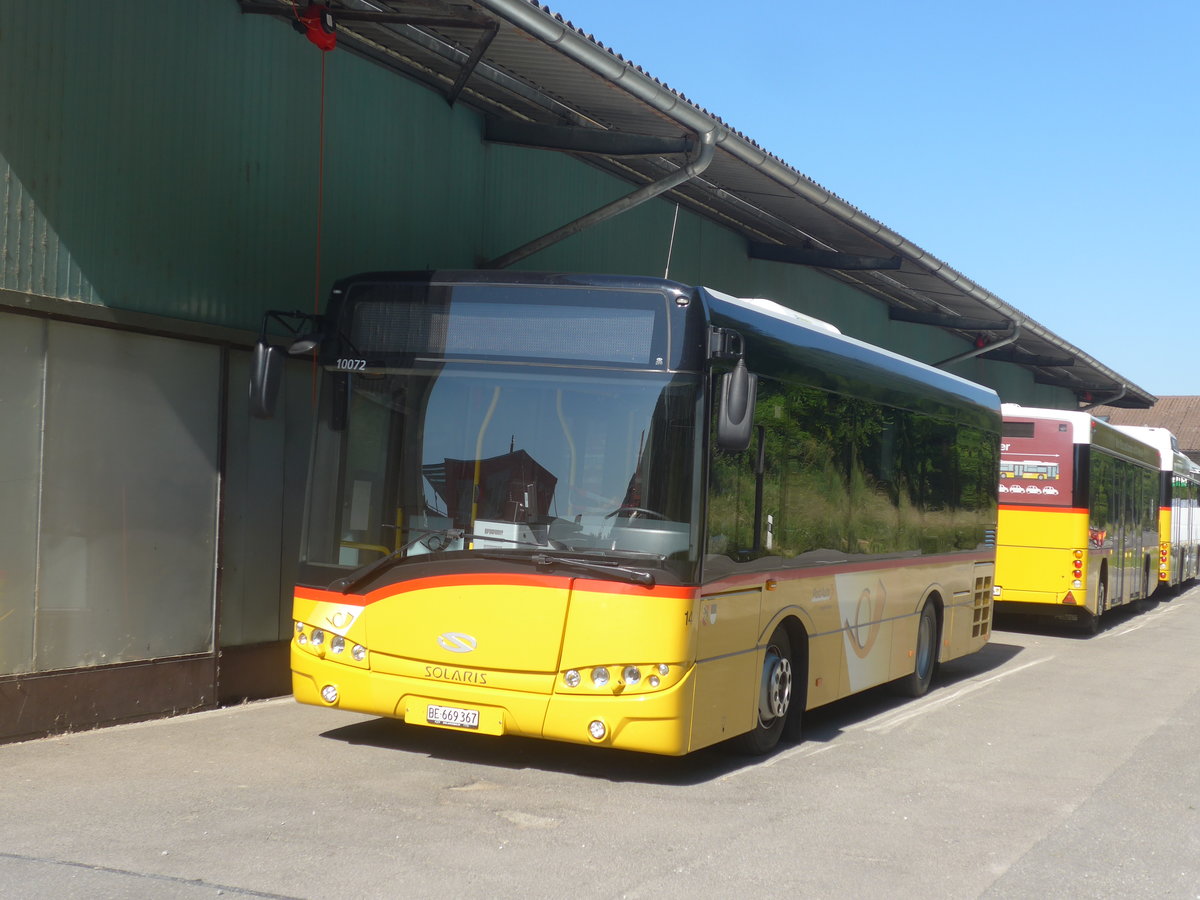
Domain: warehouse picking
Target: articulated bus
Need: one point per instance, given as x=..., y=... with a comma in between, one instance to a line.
x=1083, y=541
x=629, y=513
x=1178, y=516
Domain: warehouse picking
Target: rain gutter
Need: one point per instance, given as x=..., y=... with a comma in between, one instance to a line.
x=531, y=18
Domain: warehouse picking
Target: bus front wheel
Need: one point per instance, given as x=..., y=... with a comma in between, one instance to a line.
x=774, y=697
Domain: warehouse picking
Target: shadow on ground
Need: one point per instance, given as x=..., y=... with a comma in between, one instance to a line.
x=822, y=725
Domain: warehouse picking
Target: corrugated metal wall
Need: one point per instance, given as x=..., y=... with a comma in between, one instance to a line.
x=162, y=157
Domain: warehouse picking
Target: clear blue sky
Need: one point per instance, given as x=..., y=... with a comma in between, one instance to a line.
x=1047, y=150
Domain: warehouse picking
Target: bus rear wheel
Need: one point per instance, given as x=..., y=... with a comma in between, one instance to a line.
x=774, y=697
x=917, y=683
x=1089, y=623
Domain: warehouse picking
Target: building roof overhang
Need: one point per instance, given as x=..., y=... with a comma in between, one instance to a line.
x=541, y=82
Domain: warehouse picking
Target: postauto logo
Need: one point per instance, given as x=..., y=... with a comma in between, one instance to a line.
x=457, y=642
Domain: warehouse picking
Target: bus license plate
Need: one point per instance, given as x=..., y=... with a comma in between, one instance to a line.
x=453, y=716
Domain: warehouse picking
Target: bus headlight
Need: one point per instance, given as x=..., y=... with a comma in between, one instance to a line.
x=329, y=693
x=337, y=644
x=597, y=730
x=359, y=652
x=621, y=678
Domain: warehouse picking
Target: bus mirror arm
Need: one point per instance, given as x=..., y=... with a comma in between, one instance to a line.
x=735, y=411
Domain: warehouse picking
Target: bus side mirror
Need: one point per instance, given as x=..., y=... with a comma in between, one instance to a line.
x=735, y=412
x=266, y=371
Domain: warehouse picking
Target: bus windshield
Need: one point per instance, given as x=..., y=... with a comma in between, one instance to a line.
x=467, y=459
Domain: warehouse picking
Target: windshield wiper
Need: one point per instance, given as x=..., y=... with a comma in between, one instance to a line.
x=448, y=536
x=608, y=570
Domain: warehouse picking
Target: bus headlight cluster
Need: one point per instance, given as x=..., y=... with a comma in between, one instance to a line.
x=630, y=677
x=321, y=643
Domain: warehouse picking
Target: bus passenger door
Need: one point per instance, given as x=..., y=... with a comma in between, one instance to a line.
x=726, y=695
x=1117, y=585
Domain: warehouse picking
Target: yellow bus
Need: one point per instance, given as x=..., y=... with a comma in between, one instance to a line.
x=629, y=513
x=1087, y=540
x=1178, y=516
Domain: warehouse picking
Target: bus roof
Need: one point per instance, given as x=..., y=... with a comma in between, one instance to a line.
x=780, y=340
x=1087, y=429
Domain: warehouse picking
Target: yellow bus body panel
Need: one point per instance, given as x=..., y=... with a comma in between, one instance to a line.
x=526, y=634
x=1034, y=556
x=500, y=646
x=1166, y=573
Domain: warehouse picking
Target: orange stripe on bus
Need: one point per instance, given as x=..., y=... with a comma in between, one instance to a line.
x=1008, y=507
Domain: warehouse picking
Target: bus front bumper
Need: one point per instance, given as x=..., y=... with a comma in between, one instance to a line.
x=651, y=722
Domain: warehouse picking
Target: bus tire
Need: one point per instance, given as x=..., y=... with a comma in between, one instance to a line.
x=916, y=683
x=774, y=697
x=1089, y=623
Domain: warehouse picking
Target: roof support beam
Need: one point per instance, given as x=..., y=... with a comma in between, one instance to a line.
x=1013, y=355
x=485, y=40
x=463, y=19
x=615, y=208
x=577, y=139
x=1105, y=401
x=945, y=320
x=822, y=259
x=1009, y=338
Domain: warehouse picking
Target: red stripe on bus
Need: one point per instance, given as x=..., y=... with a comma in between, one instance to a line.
x=755, y=579
x=1050, y=509
x=492, y=580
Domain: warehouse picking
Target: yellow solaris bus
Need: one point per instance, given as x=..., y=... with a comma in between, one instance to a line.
x=629, y=513
x=1178, y=515
x=1085, y=539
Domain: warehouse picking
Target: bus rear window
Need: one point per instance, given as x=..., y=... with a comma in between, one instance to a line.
x=1018, y=429
x=1036, y=463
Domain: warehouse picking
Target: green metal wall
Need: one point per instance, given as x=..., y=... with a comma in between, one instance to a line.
x=163, y=158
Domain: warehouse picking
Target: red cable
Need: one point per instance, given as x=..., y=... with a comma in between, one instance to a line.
x=320, y=215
